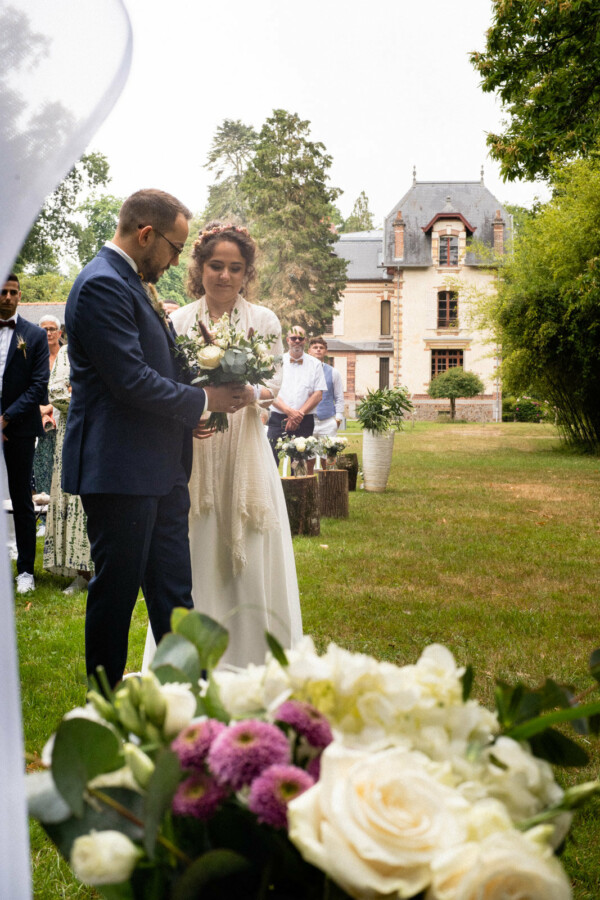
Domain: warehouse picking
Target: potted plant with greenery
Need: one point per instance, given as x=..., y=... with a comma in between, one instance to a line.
x=380, y=414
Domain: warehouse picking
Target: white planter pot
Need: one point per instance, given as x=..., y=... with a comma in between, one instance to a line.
x=377, y=459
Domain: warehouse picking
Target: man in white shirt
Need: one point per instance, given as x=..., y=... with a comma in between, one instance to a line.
x=301, y=390
x=330, y=411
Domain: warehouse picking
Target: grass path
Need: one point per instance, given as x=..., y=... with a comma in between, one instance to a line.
x=486, y=540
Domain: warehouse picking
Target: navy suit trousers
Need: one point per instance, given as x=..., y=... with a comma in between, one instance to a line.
x=18, y=455
x=136, y=541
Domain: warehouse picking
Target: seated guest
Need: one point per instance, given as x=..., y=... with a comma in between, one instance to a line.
x=301, y=390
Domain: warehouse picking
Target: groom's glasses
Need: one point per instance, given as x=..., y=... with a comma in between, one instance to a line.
x=177, y=251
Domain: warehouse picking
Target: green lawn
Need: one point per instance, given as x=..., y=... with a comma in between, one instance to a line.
x=486, y=540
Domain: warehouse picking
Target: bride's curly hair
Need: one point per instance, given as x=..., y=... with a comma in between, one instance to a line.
x=204, y=247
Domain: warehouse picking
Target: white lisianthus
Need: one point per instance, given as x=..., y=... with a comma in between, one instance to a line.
x=524, y=783
x=181, y=707
x=503, y=866
x=104, y=857
x=374, y=821
x=210, y=356
x=262, y=350
x=242, y=692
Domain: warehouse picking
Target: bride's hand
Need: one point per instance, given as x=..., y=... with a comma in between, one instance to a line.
x=247, y=396
x=201, y=432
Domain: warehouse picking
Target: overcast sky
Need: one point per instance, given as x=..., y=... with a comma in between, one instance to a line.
x=385, y=86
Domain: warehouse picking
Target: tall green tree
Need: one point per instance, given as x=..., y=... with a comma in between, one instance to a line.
x=547, y=312
x=361, y=217
x=289, y=201
x=231, y=150
x=454, y=384
x=55, y=233
x=543, y=61
x=101, y=217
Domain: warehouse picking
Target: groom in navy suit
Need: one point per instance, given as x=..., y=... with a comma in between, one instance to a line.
x=128, y=441
x=24, y=373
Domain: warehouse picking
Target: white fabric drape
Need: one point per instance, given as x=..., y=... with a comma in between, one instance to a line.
x=64, y=63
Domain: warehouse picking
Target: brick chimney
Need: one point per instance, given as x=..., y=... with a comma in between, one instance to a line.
x=498, y=226
x=399, y=236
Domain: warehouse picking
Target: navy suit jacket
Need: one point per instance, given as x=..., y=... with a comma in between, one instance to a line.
x=131, y=411
x=25, y=380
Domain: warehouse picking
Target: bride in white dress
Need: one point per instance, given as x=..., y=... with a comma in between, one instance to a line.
x=243, y=568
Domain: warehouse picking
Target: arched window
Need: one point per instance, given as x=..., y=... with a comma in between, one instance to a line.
x=448, y=250
x=447, y=316
x=386, y=317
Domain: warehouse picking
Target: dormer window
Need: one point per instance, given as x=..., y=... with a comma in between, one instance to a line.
x=448, y=250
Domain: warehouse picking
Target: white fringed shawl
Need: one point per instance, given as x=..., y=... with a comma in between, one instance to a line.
x=229, y=473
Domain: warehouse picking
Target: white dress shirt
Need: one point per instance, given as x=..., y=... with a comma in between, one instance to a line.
x=299, y=382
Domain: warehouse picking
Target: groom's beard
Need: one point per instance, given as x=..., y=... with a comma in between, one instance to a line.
x=151, y=269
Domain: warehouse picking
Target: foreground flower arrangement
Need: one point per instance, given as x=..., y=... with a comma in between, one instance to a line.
x=227, y=355
x=311, y=776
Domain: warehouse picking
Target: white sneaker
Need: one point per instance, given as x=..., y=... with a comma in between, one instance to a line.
x=25, y=583
x=78, y=584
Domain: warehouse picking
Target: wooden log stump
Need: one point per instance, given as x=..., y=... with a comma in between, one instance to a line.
x=333, y=493
x=349, y=462
x=302, y=501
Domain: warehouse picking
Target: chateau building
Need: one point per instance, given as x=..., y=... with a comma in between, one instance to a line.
x=407, y=310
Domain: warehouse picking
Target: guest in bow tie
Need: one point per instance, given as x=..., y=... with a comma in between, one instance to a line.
x=24, y=371
x=302, y=387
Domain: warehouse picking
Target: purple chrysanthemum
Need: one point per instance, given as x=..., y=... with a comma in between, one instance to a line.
x=243, y=750
x=193, y=743
x=198, y=796
x=271, y=792
x=307, y=721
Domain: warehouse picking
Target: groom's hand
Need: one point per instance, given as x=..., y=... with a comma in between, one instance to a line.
x=227, y=398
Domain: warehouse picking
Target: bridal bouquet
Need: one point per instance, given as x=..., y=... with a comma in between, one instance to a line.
x=310, y=777
x=298, y=449
x=227, y=355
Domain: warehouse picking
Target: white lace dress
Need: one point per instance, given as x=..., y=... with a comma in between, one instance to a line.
x=243, y=567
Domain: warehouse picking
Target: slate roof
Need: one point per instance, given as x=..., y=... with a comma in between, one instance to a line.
x=425, y=200
x=364, y=252
x=35, y=312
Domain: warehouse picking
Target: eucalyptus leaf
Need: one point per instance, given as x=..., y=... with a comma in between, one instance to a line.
x=276, y=649
x=208, y=637
x=213, y=866
x=159, y=795
x=558, y=749
x=179, y=652
x=169, y=674
x=82, y=749
x=213, y=706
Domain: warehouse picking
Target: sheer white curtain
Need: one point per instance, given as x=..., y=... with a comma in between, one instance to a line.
x=64, y=63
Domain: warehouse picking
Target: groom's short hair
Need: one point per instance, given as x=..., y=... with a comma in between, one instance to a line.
x=151, y=207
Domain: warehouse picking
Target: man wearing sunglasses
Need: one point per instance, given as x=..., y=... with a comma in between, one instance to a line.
x=24, y=373
x=301, y=390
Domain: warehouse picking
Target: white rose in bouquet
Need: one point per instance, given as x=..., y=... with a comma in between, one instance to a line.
x=300, y=445
x=181, y=707
x=210, y=356
x=503, y=866
x=104, y=857
x=374, y=821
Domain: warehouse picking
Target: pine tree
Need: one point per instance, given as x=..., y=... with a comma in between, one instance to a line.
x=230, y=153
x=289, y=202
x=361, y=217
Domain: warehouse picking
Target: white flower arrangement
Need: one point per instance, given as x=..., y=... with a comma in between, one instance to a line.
x=310, y=776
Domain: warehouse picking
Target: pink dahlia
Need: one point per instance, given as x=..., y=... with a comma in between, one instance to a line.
x=193, y=743
x=307, y=721
x=271, y=792
x=198, y=796
x=243, y=750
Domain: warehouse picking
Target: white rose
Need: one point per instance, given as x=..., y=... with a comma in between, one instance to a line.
x=181, y=707
x=262, y=350
x=104, y=857
x=300, y=444
x=504, y=866
x=210, y=357
x=374, y=821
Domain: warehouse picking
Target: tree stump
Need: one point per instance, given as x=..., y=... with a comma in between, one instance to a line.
x=333, y=493
x=349, y=462
x=302, y=501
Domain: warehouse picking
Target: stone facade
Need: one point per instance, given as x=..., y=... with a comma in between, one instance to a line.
x=406, y=311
